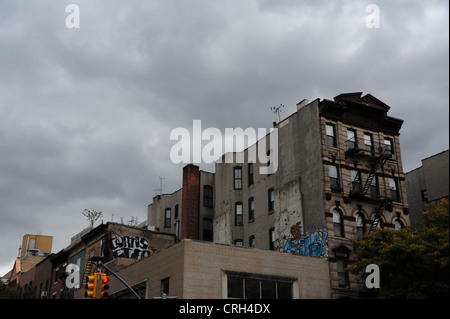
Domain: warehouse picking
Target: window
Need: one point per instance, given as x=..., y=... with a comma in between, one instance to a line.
x=424, y=195
x=271, y=200
x=356, y=180
x=238, y=214
x=250, y=174
x=335, y=184
x=176, y=211
x=393, y=188
x=207, y=229
x=165, y=284
x=398, y=224
x=235, y=287
x=351, y=139
x=360, y=225
x=207, y=196
x=338, y=223
x=331, y=138
x=388, y=145
x=32, y=243
x=342, y=274
x=251, y=209
x=270, y=170
x=368, y=142
x=251, y=241
x=374, y=190
x=239, y=242
x=271, y=238
x=167, y=218
x=238, y=177
x=255, y=288
x=56, y=276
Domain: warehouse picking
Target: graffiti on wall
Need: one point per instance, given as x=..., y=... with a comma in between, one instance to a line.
x=312, y=243
x=134, y=246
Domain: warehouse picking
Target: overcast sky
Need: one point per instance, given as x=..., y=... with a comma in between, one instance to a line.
x=86, y=113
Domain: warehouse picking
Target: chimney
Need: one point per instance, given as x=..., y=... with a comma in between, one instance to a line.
x=190, y=202
x=301, y=104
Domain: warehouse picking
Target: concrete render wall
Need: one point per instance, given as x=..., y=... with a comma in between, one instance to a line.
x=207, y=264
x=198, y=270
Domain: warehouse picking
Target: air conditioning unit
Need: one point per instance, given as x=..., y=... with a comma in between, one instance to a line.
x=43, y=294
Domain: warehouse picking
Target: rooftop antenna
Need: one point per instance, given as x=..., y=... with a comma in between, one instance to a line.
x=160, y=183
x=156, y=191
x=277, y=110
x=91, y=216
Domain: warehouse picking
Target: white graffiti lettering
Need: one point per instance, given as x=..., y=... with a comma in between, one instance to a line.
x=135, y=247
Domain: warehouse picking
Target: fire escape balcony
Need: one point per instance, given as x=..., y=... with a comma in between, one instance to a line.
x=357, y=193
x=369, y=190
x=370, y=155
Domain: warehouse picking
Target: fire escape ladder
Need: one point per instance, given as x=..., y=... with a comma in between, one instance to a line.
x=381, y=161
x=375, y=222
x=369, y=181
x=376, y=219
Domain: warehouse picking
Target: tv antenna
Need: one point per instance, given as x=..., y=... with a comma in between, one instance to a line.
x=277, y=110
x=160, y=183
x=91, y=216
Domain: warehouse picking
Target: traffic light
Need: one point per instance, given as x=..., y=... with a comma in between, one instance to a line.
x=104, y=286
x=91, y=286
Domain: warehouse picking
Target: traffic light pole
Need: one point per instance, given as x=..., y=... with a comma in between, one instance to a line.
x=121, y=280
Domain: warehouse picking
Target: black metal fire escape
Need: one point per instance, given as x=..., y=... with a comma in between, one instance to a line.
x=379, y=159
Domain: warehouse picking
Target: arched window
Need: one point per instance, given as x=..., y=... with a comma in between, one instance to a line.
x=398, y=224
x=338, y=223
x=360, y=225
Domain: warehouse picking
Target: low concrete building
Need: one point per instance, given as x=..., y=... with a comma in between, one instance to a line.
x=427, y=184
x=203, y=270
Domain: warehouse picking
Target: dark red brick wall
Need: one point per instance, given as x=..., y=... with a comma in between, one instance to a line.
x=190, y=202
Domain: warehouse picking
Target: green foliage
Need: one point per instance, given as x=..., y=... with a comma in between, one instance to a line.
x=413, y=263
x=8, y=292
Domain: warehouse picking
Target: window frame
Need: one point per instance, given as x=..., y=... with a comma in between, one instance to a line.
x=251, y=241
x=207, y=232
x=237, y=177
x=167, y=220
x=250, y=168
x=355, y=142
x=331, y=139
x=374, y=188
x=165, y=286
x=208, y=196
x=389, y=147
x=368, y=147
x=238, y=214
x=335, y=182
x=356, y=185
x=343, y=278
x=338, y=223
x=271, y=239
x=251, y=209
x=271, y=199
x=360, y=224
x=394, y=190
x=239, y=286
